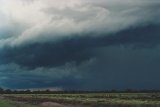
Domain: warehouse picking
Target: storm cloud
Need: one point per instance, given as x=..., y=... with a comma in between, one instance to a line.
x=77, y=44
x=42, y=21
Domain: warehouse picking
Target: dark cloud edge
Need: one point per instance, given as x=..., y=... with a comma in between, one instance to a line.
x=78, y=48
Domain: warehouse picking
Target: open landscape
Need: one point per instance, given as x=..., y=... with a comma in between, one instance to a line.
x=81, y=100
x=79, y=53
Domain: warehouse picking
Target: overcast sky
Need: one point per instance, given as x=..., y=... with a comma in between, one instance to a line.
x=80, y=44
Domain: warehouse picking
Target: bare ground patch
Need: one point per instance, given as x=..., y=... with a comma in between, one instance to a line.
x=51, y=104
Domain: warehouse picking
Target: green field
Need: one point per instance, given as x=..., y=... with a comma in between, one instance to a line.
x=87, y=100
x=7, y=103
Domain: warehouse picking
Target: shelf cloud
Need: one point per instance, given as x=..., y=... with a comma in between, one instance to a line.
x=72, y=44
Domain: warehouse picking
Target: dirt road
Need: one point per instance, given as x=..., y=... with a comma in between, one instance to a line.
x=51, y=104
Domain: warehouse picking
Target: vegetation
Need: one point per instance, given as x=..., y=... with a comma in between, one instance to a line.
x=7, y=103
x=128, y=98
x=92, y=99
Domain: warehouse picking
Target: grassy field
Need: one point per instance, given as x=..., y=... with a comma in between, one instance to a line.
x=87, y=100
x=7, y=103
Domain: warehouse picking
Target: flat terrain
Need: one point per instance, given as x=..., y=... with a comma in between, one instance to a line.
x=81, y=100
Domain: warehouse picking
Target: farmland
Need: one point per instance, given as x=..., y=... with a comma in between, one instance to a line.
x=83, y=100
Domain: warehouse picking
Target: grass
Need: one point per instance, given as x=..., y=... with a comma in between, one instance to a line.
x=93, y=99
x=7, y=103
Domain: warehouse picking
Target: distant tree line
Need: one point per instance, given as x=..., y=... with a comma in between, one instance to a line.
x=47, y=91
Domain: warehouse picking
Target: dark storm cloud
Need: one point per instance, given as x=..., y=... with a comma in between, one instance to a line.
x=47, y=54
x=114, y=67
x=127, y=59
x=63, y=77
x=40, y=82
x=80, y=44
x=146, y=36
x=78, y=49
x=125, y=67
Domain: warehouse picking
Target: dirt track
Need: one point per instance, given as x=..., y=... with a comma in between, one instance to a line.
x=51, y=104
x=42, y=102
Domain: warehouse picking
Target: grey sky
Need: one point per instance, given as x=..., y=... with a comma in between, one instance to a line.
x=79, y=44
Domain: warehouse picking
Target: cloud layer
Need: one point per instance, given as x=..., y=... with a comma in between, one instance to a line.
x=72, y=44
x=42, y=21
